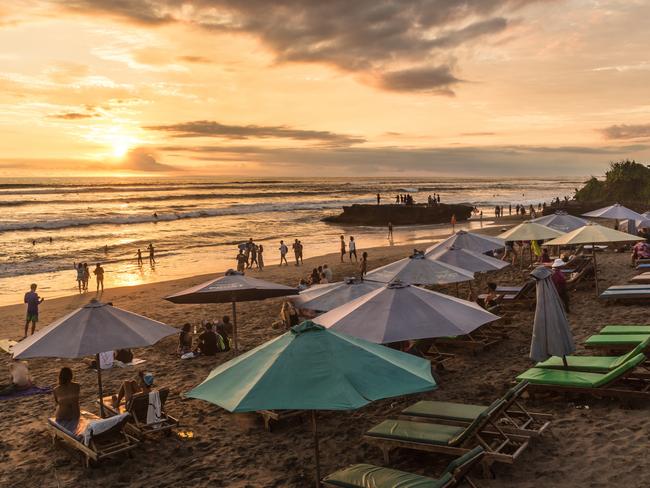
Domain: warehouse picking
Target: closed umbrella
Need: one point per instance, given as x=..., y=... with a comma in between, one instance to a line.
x=322, y=298
x=400, y=312
x=561, y=221
x=90, y=330
x=471, y=241
x=417, y=270
x=616, y=212
x=233, y=287
x=552, y=334
x=465, y=259
x=593, y=234
x=312, y=368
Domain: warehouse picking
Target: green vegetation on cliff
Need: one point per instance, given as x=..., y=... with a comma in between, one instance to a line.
x=625, y=182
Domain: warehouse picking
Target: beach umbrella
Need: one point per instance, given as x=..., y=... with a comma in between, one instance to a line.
x=90, y=330
x=417, y=270
x=561, y=221
x=312, y=368
x=471, y=241
x=233, y=287
x=616, y=212
x=322, y=298
x=552, y=334
x=592, y=234
x=400, y=312
x=529, y=231
x=465, y=259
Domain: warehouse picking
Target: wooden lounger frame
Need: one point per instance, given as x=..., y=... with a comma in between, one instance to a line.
x=107, y=444
x=476, y=340
x=277, y=416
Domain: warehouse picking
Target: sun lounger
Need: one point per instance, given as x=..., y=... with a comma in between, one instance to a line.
x=517, y=295
x=626, y=292
x=476, y=340
x=277, y=416
x=642, y=266
x=6, y=345
x=625, y=329
x=451, y=439
x=615, y=342
x=369, y=476
x=514, y=417
x=619, y=382
x=95, y=447
x=579, y=275
x=138, y=409
x=643, y=278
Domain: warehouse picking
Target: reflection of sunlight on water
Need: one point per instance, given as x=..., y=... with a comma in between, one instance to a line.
x=128, y=275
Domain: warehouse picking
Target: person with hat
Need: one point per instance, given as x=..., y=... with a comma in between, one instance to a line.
x=560, y=282
x=142, y=384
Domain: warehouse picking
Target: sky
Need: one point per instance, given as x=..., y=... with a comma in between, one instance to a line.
x=312, y=88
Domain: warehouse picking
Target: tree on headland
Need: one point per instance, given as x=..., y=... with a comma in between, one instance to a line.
x=625, y=181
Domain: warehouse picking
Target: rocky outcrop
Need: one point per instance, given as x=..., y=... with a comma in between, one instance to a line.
x=380, y=215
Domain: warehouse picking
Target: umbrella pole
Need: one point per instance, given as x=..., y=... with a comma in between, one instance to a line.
x=234, y=328
x=593, y=253
x=457, y=291
x=566, y=365
x=316, y=451
x=99, y=383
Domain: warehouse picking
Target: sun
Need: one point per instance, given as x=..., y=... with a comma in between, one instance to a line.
x=121, y=144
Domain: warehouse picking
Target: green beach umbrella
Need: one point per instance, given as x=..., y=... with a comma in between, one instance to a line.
x=313, y=368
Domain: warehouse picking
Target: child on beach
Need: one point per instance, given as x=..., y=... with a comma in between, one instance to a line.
x=363, y=266
x=342, y=247
x=33, y=301
x=185, y=340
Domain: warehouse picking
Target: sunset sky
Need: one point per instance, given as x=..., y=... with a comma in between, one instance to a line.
x=339, y=88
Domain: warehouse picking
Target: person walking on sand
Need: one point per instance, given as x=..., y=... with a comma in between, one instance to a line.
x=352, y=248
x=33, y=301
x=390, y=231
x=152, y=254
x=260, y=257
x=300, y=249
x=253, y=257
x=79, y=267
x=139, y=256
x=363, y=266
x=342, y=248
x=99, y=276
x=86, y=276
x=283, y=253
x=296, y=251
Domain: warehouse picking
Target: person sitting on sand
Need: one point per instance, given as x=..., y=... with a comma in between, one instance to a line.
x=142, y=384
x=66, y=398
x=124, y=356
x=185, y=340
x=19, y=376
x=302, y=284
x=323, y=279
x=208, y=344
x=224, y=330
x=328, y=272
x=641, y=250
x=314, y=278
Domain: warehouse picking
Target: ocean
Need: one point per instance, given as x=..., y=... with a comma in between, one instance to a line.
x=195, y=224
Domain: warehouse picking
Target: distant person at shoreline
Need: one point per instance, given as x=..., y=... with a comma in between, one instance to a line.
x=283, y=253
x=79, y=267
x=139, y=256
x=86, y=276
x=343, y=251
x=300, y=249
x=260, y=257
x=241, y=261
x=99, y=276
x=390, y=231
x=152, y=254
x=296, y=251
x=33, y=301
x=378, y=198
x=352, y=248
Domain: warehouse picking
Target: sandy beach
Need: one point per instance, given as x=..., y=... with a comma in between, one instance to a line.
x=590, y=443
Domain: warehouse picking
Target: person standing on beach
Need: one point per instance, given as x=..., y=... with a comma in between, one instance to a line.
x=342, y=247
x=86, y=276
x=247, y=251
x=99, y=276
x=260, y=257
x=283, y=253
x=510, y=209
x=390, y=231
x=378, y=198
x=79, y=267
x=296, y=251
x=33, y=301
x=352, y=247
x=253, y=258
x=139, y=255
x=241, y=261
x=152, y=255
x=363, y=266
x=300, y=249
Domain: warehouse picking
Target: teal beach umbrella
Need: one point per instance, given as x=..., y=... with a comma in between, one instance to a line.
x=313, y=368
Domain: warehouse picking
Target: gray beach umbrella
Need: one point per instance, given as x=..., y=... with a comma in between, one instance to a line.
x=90, y=330
x=465, y=259
x=561, y=221
x=417, y=270
x=471, y=241
x=552, y=334
x=616, y=212
x=233, y=287
x=323, y=298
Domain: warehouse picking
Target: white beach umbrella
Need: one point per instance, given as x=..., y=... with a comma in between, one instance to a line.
x=465, y=259
x=417, y=270
x=561, y=221
x=471, y=241
x=399, y=312
x=616, y=211
x=90, y=330
x=322, y=298
x=530, y=231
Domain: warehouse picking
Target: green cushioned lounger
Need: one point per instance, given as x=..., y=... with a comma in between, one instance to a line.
x=578, y=379
x=625, y=329
x=616, y=340
x=369, y=476
x=422, y=432
x=594, y=364
x=623, y=293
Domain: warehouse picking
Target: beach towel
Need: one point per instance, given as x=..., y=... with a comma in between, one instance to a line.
x=32, y=390
x=106, y=359
x=154, y=412
x=7, y=344
x=96, y=427
x=135, y=362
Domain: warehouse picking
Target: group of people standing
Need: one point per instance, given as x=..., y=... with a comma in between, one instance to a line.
x=433, y=200
x=500, y=210
x=83, y=276
x=404, y=198
x=152, y=255
x=250, y=254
